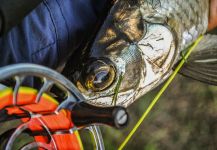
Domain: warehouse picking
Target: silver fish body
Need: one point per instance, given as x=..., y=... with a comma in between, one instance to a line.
x=140, y=42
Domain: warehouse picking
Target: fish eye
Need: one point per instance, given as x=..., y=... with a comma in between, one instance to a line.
x=99, y=76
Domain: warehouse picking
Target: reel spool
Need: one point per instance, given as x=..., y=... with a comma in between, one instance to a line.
x=37, y=116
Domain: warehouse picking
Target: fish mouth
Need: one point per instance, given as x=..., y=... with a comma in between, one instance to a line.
x=124, y=99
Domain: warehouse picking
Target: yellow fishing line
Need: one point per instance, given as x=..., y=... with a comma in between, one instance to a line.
x=155, y=100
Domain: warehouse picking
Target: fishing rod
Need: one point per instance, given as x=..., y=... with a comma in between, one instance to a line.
x=12, y=12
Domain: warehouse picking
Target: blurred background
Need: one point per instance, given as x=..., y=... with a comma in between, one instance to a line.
x=185, y=118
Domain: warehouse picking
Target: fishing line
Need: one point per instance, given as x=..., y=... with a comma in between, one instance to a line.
x=117, y=88
x=157, y=97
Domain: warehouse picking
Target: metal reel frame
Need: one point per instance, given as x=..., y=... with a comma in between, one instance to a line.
x=50, y=78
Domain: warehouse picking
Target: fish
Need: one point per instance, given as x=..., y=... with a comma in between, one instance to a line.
x=138, y=47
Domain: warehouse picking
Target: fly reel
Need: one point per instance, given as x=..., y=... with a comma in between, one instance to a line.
x=49, y=112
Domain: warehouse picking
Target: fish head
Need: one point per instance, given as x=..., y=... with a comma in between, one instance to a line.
x=128, y=58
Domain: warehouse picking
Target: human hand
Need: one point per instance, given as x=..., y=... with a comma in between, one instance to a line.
x=212, y=15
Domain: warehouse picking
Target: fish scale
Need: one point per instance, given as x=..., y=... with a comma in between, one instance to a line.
x=184, y=13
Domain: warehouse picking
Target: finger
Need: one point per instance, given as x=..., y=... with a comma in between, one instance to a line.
x=212, y=15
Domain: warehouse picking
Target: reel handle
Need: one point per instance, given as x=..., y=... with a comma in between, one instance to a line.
x=84, y=114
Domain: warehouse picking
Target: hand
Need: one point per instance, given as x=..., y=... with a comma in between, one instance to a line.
x=212, y=15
